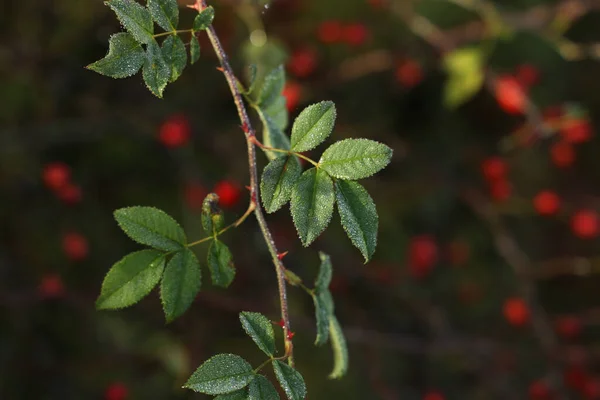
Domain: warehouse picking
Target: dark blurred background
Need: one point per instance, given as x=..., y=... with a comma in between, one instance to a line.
x=484, y=282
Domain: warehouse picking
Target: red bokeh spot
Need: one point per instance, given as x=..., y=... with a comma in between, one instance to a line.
x=500, y=190
x=546, y=202
x=51, y=287
x=576, y=131
x=194, y=195
x=539, y=390
x=516, y=311
x=562, y=154
x=423, y=254
x=494, y=168
x=330, y=32
x=355, y=34
x=229, y=193
x=591, y=389
x=409, y=73
x=575, y=378
x=585, y=224
x=56, y=175
x=568, y=327
x=528, y=75
x=75, y=246
x=70, y=194
x=302, y=63
x=175, y=131
x=116, y=391
x=433, y=395
x=510, y=95
x=292, y=92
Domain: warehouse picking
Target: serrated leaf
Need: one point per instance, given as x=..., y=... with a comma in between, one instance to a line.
x=175, y=55
x=273, y=136
x=355, y=158
x=131, y=279
x=340, y=350
x=220, y=263
x=152, y=227
x=194, y=49
x=271, y=88
x=204, y=19
x=290, y=380
x=465, y=69
x=260, y=329
x=241, y=394
x=359, y=216
x=278, y=180
x=165, y=13
x=261, y=389
x=223, y=373
x=212, y=215
x=312, y=204
x=325, y=272
x=278, y=113
x=156, y=72
x=124, y=58
x=313, y=125
x=324, y=308
x=180, y=284
x=135, y=18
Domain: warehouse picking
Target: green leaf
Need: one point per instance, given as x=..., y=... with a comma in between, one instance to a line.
x=220, y=263
x=251, y=75
x=290, y=380
x=125, y=57
x=273, y=136
x=260, y=329
x=204, y=19
x=465, y=69
x=312, y=204
x=152, y=227
x=223, y=373
x=135, y=18
x=156, y=72
x=355, y=158
x=325, y=272
x=277, y=181
x=323, y=312
x=165, y=13
x=359, y=216
x=340, y=350
x=241, y=394
x=175, y=55
x=212, y=215
x=261, y=389
x=194, y=49
x=272, y=87
x=180, y=284
x=313, y=125
x=278, y=113
x=131, y=279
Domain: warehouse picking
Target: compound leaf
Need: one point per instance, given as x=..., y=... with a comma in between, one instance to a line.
x=194, y=49
x=175, y=56
x=340, y=350
x=152, y=227
x=355, y=158
x=290, y=380
x=204, y=19
x=124, y=58
x=273, y=136
x=277, y=182
x=135, y=18
x=241, y=394
x=156, y=72
x=323, y=312
x=325, y=272
x=165, y=13
x=271, y=88
x=260, y=329
x=313, y=125
x=220, y=263
x=180, y=283
x=223, y=373
x=261, y=389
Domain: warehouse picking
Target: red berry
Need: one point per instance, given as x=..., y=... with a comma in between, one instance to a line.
x=70, y=194
x=175, y=131
x=355, y=34
x=568, y=327
x=510, y=95
x=409, y=74
x=302, y=62
x=585, y=224
x=292, y=92
x=591, y=389
x=330, y=32
x=194, y=195
x=228, y=192
x=576, y=131
x=494, y=168
x=423, y=254
x=500, y=190
x=562, y=154
x=56, y=175
x=575, y=378
x=553, y=113
x=528, y=75
x=539, y=390
x=516, y=311
x=51, y=286
x=433, y=395
x=546, y=202
x=75, y=246
x=116, y=391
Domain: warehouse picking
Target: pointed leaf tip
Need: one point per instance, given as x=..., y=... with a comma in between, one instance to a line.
x=223, y=373
x=180, y=284
x=313, y=125
x=355, y=158
x=260, y=329
x=124, y=58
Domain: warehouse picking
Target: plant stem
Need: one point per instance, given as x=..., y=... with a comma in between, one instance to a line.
x=302, y=156
x=254, y=182
x=233, y=225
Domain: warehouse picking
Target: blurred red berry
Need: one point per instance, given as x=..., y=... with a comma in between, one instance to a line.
x=409, y=73
x=56, y=175
x=510, y=95
x=302, y=63
x=585, y=224
x=376, y=3
x=553, y=113
x=175, y=131
x=576, y=131
x=591, y=389
x=562, y=154
x=422, y=254
x=75, y=246
x=539, y=390
x=292, y=92
x=516, y=311
x=528, y=75
x=433, y=395
x=70, y=194
x=51, y=287
x=568, y=327
x=494, y=168
x=546, y=202
x=575, y=378
x=355, y=34
x=194, y=195
x=116, y=391
x=458, y=252
x=229, y=193
x=500, y=190
x=330, y=32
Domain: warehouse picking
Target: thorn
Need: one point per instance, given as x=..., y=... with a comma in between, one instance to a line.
x=220, y=69
x=281, y=323
x=281, y=255
x=290, y=335
x=245, y=128
x=248, y=188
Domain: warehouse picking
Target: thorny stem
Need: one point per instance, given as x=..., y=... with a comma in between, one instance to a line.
x=302, y=156
x=254, y=183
